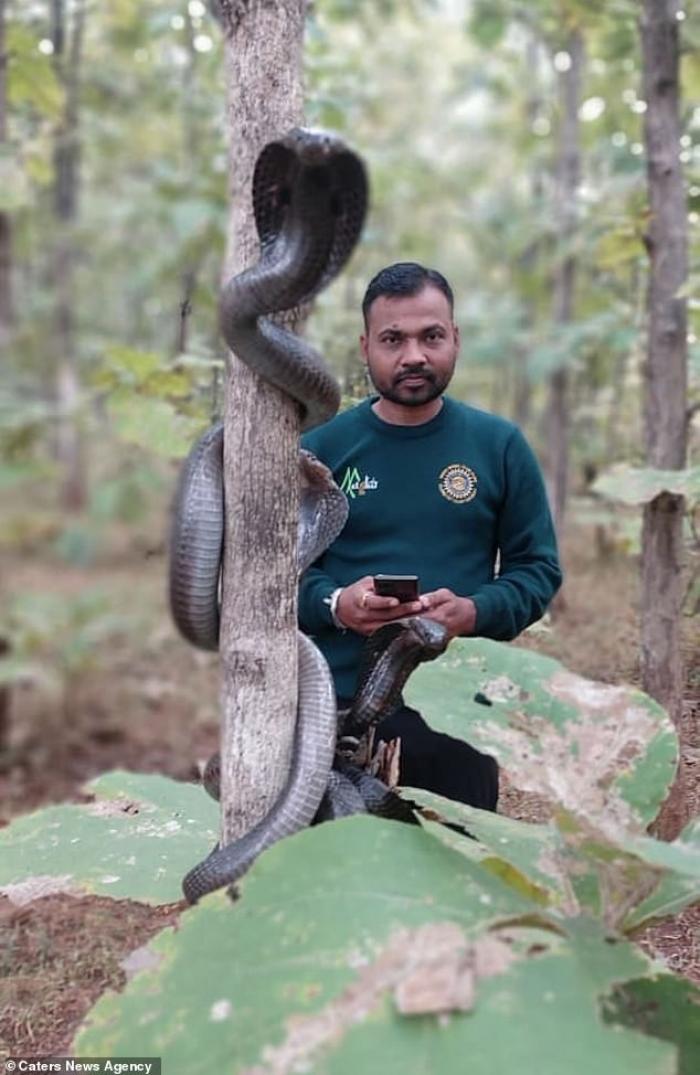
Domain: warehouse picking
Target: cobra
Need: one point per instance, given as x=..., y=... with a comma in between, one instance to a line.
x=309, y=203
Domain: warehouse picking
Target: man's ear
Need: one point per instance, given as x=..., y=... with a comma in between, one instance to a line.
x=456, y=332
x=363, y=348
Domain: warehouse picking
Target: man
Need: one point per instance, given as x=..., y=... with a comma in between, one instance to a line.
x=437, y=489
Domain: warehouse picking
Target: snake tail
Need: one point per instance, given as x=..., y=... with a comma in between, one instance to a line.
x=297, y=805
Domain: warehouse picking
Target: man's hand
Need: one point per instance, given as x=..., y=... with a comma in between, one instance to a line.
x=362, y=610
x=456, y=614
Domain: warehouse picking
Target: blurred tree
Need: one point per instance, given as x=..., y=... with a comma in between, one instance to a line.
x=567, y=180
x=6, y=302
x=192, y=154
x=665, y=396
x=67, y=40
x=6, y=312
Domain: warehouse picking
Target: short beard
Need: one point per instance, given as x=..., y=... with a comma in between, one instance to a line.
x=412, y=397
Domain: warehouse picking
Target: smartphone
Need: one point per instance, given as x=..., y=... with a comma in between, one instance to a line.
x=405, y=587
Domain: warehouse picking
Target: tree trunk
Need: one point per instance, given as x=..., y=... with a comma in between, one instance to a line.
x=567, y=180
x=191, y=153
x=258, y=626
x=6, y=301
x=619, y=437
x=527, y=262
x=66, y=159
x=6, y=320
x=665, y=397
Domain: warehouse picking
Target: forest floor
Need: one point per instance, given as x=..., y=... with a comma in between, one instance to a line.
x=140, y=699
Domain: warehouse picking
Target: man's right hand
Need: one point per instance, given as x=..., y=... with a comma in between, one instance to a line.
x=360, y=609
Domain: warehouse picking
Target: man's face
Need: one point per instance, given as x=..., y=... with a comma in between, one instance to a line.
x=411, y=346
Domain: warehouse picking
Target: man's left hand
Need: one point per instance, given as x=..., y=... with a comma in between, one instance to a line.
x=456, y=614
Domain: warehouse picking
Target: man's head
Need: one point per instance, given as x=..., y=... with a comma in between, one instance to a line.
x=410, y=342
x=404, y=278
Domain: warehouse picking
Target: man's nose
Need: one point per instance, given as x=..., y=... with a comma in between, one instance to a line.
x=412, y=352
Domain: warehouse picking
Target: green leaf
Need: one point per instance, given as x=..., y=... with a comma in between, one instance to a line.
x=570, y=864
x=134, y=365
x=136, y=841
x=488, y=23
x=365, y=945
x=664, y=1007
x=631, y=485
x=600, y=751
x=15, y=192
x=680, y=885
x=528, y=857
x=153, y=424
x=31, y=76
x=167, y=383
x=620, y=246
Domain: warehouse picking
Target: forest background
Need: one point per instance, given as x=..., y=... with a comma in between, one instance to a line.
x=505, y=146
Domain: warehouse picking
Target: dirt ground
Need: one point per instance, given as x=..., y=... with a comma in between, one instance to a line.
x=134, y=696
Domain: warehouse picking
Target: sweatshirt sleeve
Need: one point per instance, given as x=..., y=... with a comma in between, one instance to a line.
x=314, y=587
x=529, y=574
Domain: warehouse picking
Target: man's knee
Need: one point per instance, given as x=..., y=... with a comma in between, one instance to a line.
x=408, y=725
x=440, y=763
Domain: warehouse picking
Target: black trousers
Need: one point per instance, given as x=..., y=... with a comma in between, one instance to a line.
x=438, y=762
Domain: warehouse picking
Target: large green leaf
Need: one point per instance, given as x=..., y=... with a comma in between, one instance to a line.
x=136, y=841
x=680, y=884
x=620, y=878
x=366, y=945
x=599, y=751
x=664, y=1007
x=571, y=865
x=632, y=485
x=530, y=858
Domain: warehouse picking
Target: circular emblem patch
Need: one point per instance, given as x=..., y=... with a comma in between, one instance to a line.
x=457, y=483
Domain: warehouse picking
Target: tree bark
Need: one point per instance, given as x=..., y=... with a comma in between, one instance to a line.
x=6, y=299
x=665, y=395
x=68, y=44
x=567, y=180
x=258, y=627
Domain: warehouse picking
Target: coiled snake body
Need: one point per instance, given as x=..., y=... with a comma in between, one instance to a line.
x=309, y=200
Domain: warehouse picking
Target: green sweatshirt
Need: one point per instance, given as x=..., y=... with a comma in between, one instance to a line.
x=439, y=500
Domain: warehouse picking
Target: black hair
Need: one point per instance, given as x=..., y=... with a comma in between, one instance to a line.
x=402, y=279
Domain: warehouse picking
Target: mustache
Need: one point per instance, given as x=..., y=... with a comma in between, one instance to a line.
x=418, y=371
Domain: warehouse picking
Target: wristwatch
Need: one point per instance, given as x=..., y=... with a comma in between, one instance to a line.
x=332, y=601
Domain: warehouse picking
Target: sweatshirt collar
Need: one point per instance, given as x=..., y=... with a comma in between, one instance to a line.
x=401, y=432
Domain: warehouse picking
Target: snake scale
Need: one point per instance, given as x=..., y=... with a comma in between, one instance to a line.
x=309, y=203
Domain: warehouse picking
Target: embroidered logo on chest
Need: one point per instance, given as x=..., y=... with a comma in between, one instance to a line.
x=354, y=484
x=457, y=483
